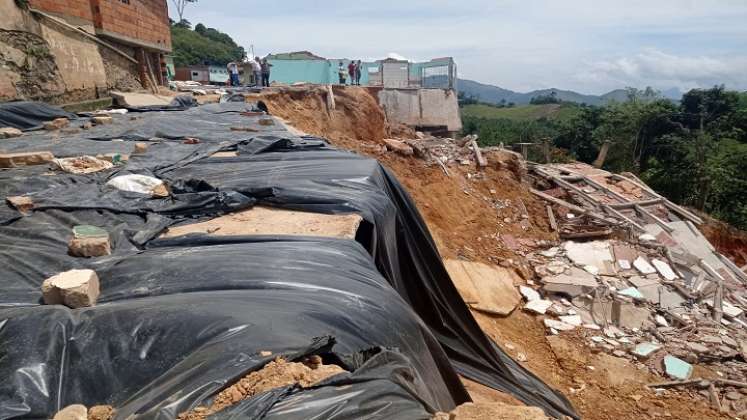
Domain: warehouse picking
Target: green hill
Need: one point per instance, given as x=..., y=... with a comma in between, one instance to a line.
x=559, y=112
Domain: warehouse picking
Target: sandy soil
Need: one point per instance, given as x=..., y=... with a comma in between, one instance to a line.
x=477, y=215
x=268, y=221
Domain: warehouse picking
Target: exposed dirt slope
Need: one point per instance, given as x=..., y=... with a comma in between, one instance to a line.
x=477, y=215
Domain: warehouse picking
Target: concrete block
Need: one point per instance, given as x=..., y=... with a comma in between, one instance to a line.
x=645, y=350
x=72, y=412
x=140, y=148
x=89, y=241
x=56, y=124
x=677, y=368
x=23, y=204
x=8, y=132
x=13, y=160
x=74, y=289
x=399, y=147
x=102, y=120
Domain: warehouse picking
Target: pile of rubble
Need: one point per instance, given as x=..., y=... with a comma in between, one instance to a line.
x=441, y=151
x=645, y=284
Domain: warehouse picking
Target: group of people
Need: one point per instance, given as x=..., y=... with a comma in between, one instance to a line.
x=353, y=71
x=260, y=70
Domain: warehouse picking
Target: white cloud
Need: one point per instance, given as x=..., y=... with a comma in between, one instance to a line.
x=660, y=69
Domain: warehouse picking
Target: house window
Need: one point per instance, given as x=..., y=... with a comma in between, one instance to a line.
x=125, y=1
x=195, y=74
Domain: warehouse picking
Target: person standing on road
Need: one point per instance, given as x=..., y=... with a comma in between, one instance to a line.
x=265, y=72
x=351, y=72
x=257, y=70
x=358, y=66
x=233, y=71
x=342, y=73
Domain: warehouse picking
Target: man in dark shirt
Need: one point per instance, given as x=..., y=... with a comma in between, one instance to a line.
x=266, y=72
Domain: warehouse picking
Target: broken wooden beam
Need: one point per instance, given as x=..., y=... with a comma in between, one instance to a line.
x=587, y=235
x=551, y=218
x=573, y=207
x=643, y=212
x=700, y=382
x=625, y=218
x=632, y=204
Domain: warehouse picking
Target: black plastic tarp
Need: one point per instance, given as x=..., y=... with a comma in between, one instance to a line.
x=25, y=115
x=184, y=291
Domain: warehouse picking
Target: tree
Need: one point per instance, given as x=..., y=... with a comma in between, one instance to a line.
x=203, y=46
x=180, y=5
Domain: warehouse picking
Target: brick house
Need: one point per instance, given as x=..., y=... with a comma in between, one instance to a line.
x=140, y=27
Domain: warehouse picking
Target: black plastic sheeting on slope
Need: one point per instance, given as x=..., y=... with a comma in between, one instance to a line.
x=25, y=115
x=273, y=168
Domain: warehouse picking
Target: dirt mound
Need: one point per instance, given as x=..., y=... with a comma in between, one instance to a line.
x=492, y=411
x=485, y=215
x=727, y=239
x=276, y=374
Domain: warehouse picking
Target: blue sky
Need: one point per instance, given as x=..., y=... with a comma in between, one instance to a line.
x=590, y=46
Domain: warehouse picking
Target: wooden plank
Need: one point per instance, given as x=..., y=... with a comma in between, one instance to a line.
x=632, y=204
x=587, y=235
x=573, y=207
x=640, y=210
x=624, y=217
x=551, y=217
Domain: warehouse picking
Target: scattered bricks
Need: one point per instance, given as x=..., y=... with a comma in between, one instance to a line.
x=101, y=412
x=399, y=147
x=23, y=204
x=140, y=148
x=266, y=121
x=89, y=241
x=13, y=160
x=74, y=289
x=8, y=132
x=102, y=120
x=56, y=124
x=72, y=412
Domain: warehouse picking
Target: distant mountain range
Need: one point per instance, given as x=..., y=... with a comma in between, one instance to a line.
x=494, y=94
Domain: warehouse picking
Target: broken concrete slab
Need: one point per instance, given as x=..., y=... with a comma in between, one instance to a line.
x=74, y=289
x=629, y=316
x=573, y=283
x=137, y=100
x=529, y=293
x=140, y=184
x=677, y=368
x=631, y=292
x=645, y=350
x=642, y=265
x=589, y=253
x=489, y=288
x=574, y=320
x=10, y=132
x=697, y=348
x=664, y=269
x=538, y=306
x=13, y=160
x=558, y=325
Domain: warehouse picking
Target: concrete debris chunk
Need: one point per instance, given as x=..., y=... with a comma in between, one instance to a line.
x=23, y=204
x=266, y=121
x=558, y=325
x=89, y=241
x=399, y=147
x=645, y=350
x=589, y=253
x=74, y=289
x=102, y=120
x=82, y=165
x=538, y=306
x=664, y=269
x=697, y=348
x=677, y=368
x=642, y=265
x=140, y=148
x=10, y=132
x=140, y=184
x=56, y=124
x=72, y=412
x=529, y=293
x=631, y=292
x=574, y=320
x=13, y=160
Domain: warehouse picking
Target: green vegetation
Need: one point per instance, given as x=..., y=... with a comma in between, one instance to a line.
x=202, y=45
x=694, y=152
